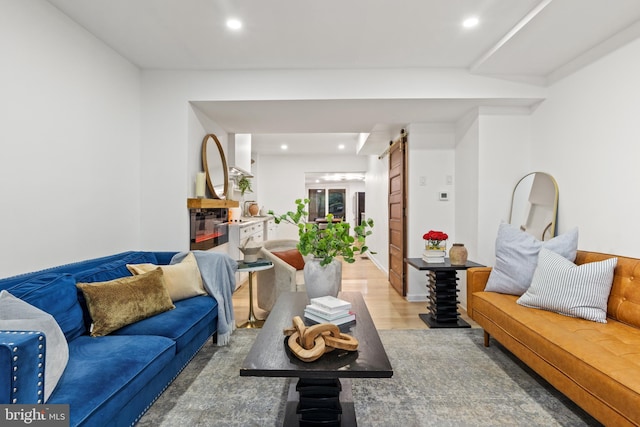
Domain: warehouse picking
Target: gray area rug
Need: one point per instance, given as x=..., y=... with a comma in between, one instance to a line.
x=442, y=377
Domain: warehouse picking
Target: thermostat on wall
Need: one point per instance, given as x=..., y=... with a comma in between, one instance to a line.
x=443, y=195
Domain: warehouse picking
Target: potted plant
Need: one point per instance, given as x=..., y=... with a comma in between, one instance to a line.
x=244, y=185
x=320, y=246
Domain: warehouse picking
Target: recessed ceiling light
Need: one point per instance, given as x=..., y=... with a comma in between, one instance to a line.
x=470, y=22
x=234, y=24
x=341, y=147
x=284, y=146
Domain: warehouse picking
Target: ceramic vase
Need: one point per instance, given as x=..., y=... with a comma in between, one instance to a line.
x=322, y=280
x=458, y=254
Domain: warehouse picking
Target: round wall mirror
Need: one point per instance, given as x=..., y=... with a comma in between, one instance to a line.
x=215, y=165
x=534, y=205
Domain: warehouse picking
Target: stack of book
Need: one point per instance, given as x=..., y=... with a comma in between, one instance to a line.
x=433, y=256
x=329, y=309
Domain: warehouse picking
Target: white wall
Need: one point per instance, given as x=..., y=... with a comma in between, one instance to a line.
x=430, y=171
x=466, y=183
x=201, y=125
x=467, y=192
x=70, y=132
x=492, y=153
x=377, y=208
x=503, y=158
x=586, y=134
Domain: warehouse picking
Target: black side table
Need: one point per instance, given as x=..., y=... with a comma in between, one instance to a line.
x=442, y=282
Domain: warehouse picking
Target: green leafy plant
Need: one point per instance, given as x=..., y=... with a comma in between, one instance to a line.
x=330, y=242
x=244, y=185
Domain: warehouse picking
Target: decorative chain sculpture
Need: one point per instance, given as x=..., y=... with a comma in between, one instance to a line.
x=309, y=343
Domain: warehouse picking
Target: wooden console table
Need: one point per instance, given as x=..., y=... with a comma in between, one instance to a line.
x=442, y=282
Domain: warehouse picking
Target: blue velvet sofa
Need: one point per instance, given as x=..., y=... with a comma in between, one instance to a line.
x=108, y=380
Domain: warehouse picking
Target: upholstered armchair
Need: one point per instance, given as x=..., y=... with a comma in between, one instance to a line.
x=283, y=277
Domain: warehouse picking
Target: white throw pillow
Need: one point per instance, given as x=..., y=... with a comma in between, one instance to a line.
x=517, y=257
x=573, y=290
x=183, y=279
x=17, y=315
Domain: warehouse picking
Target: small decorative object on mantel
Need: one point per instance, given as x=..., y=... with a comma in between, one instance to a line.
x=458, y=254
x=310, y=343
x=435, y=246
x=201, y=179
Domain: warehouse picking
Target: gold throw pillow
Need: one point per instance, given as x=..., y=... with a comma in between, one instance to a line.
x=183, y=280
x=126, y=300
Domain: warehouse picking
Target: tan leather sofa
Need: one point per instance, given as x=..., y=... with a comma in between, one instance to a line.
x=281, y=278
x=596, y=365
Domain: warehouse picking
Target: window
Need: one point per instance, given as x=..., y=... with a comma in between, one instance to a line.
x=323, y=201
x=317, y=201
x=336, y=203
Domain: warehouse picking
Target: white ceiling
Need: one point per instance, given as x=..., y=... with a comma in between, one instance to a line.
x=526, y=40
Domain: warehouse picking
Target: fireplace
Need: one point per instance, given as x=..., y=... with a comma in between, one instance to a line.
x=208, y=228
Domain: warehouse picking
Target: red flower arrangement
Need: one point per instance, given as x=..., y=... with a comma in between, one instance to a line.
x=434, y=238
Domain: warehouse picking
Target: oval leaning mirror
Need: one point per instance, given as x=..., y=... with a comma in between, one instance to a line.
x=215, y=165
x=534, y=205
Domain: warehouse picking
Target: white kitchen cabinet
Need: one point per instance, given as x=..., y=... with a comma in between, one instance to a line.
x=270, y=229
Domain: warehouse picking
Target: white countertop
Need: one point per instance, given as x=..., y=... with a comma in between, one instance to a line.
x=250, y=220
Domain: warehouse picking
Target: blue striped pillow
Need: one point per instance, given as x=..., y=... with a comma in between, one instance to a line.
x=572, y=290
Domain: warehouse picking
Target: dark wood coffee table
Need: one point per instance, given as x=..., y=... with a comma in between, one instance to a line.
x=319, y=397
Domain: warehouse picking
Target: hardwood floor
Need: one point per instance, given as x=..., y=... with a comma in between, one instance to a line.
x=388, y=309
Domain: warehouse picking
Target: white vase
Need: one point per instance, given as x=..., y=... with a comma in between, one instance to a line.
x=321, y=281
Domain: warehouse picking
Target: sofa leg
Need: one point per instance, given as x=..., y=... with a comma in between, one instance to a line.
x=486, y=338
